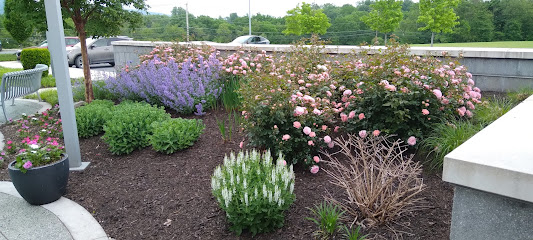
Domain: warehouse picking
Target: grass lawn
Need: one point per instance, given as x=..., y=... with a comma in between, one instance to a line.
x=507, y=44
x=8, y=57
x=48, y=81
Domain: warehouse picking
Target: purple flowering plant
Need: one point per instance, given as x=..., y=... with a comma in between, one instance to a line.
x=182, y=86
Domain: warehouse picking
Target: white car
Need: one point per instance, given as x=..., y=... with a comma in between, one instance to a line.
x=251, y=39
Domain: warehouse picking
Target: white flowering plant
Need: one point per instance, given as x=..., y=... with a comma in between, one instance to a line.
x=254, y=191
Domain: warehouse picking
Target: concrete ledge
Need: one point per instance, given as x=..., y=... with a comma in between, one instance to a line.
x=79, y=222
x=498, y=159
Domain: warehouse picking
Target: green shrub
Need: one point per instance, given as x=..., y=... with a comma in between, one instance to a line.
x=91, y=118
x=48, y=81
x=300, y=99
x=253, y=191
x=30, y=57
x=99, y=90
x=130, y=126
x=175, y=134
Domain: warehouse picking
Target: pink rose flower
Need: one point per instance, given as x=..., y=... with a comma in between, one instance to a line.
x=299, y=110
x=361, y=116
x=461, y=111
x=316, y=159
x=296, y=124
x=285, y=137
x=324, y=127
x=376, y=133
x=314, y=169
x=411, y=141
x=468, y=113
x=307, y=130
x=27, y=165
x=425, y=111
x=283, y=162
x=327, y=139
x=347, y=92
x=437, y=93
x=344, y=117
x=336, y=129
x=331, y=144
x=362, y=133
x=310, y=143
x=351, y=114
x=312, y=134
x=241, y=144
x=317, y=112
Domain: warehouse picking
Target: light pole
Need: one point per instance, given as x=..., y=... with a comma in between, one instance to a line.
x=249, y=18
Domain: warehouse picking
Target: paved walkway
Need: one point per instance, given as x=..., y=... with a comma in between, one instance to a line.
x=98, y=71
x=60, y=220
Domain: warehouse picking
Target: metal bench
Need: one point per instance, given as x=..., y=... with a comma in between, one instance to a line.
x=21, y=83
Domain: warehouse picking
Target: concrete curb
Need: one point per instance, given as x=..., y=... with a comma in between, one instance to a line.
x=78, y=221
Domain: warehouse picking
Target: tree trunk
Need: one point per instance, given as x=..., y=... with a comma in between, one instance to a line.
x=376, y=34
x=86, y=68
x=432, y=36
x=385, y=39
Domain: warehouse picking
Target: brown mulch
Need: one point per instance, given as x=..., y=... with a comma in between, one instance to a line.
x=133, y=196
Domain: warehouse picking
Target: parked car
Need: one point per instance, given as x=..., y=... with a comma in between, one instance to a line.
x=69, y=42
x=0, y=45
x=98, y=50
x=251, y=39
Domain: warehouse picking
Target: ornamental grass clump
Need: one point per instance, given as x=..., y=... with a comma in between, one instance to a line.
x=183, y=86
x=253, y=191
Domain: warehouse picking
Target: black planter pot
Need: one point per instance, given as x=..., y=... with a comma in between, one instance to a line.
x=41, y=185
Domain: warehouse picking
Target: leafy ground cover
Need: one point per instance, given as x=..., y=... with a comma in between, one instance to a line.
x=504, y=44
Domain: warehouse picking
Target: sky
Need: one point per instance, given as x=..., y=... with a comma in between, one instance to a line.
x=223, y=8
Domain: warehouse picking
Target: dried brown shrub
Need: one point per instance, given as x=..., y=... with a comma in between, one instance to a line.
x=381, y=183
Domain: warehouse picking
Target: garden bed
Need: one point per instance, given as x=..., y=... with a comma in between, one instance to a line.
x=149, y=195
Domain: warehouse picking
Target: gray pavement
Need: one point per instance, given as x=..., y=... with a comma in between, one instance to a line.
x=98, y=71
x=60, y=220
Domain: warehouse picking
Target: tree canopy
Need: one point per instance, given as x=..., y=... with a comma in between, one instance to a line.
x=385, y=16
x=305, y=20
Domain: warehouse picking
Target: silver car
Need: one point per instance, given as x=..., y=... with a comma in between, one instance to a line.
x=251, y=39
x=99, y=51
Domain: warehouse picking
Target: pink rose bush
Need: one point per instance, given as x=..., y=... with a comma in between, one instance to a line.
x=309, y=97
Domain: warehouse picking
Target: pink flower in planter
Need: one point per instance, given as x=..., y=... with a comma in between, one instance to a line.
x=27, y=165
x=376, y=133
x=362, y=133
x=327, y=139
x=314, y=169
x=361, y=116
x=316, y=159
x=425, y=111
x=307, y=130
x=297, y=124
x=411, y=141
x=285, y=137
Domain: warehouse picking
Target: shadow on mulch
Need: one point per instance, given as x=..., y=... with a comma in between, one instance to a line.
x=133, y=196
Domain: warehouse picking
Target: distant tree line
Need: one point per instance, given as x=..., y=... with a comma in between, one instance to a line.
x=478, y=21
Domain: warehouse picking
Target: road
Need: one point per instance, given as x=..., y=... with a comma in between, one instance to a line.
x=8, y=51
